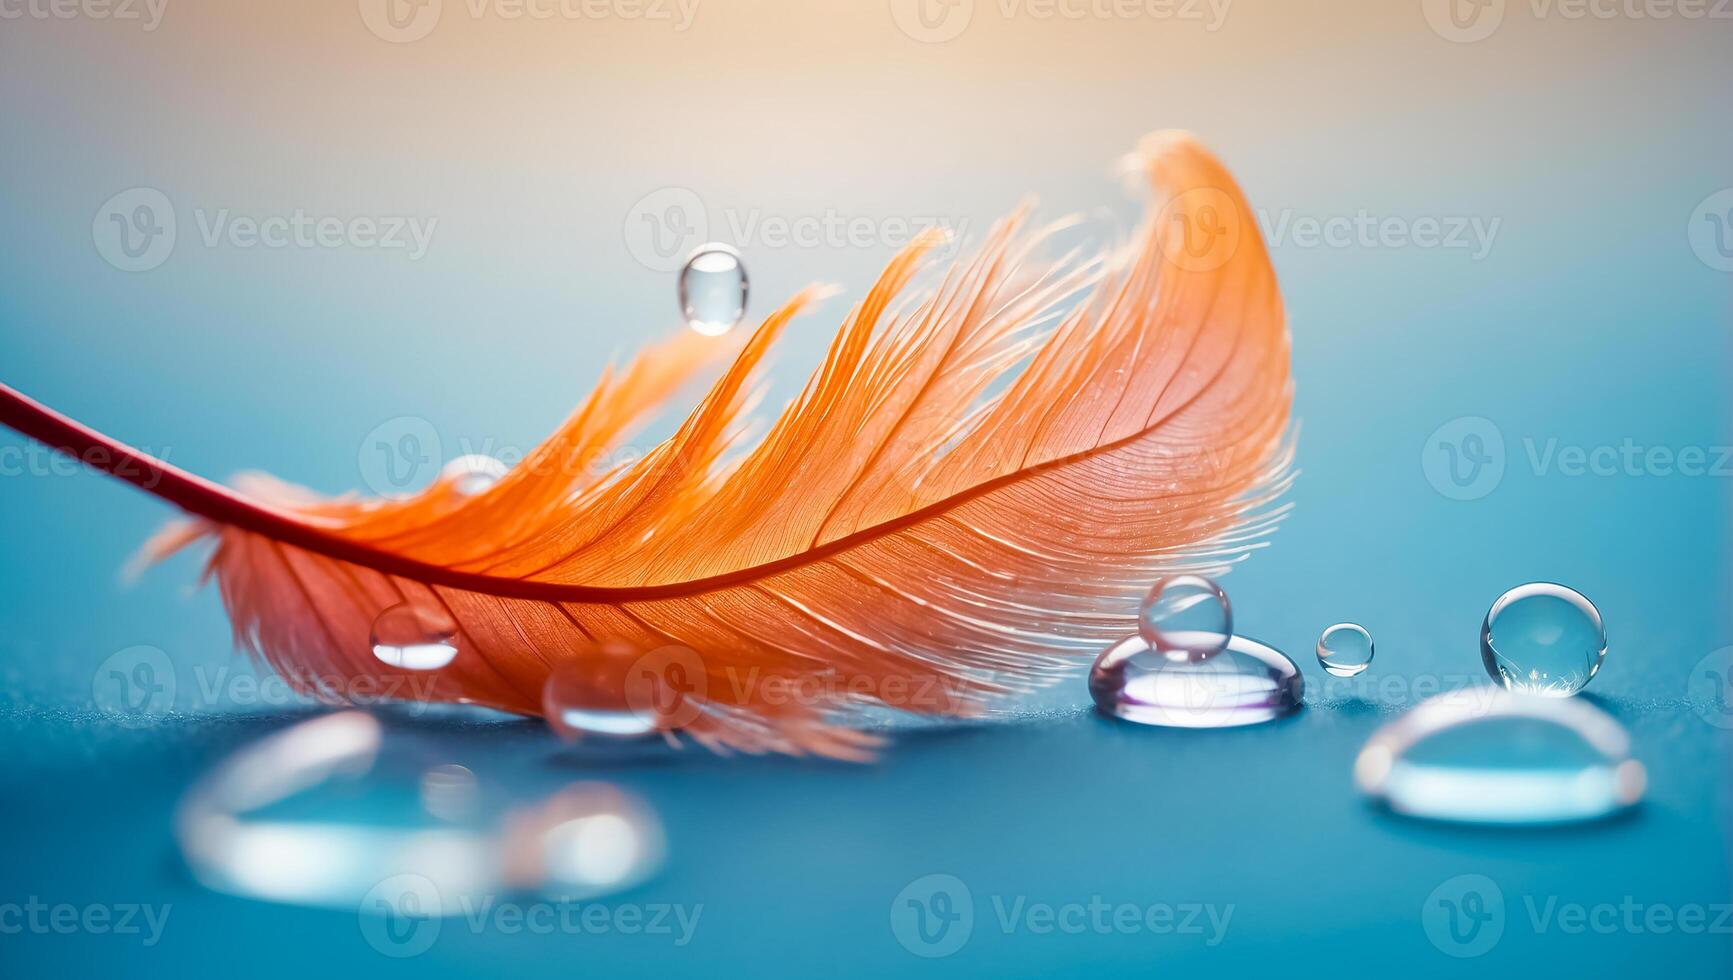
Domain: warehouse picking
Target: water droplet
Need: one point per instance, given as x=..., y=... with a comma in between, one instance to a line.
x=1544, y=639
x=1345, y=649
x=1186, y=617
x=449, y=792
x=414, y=637
x=1246, y=683
x=1485, y=755
x=713, y=289
x=472, y=474
x=575, y=708
x=588, y=839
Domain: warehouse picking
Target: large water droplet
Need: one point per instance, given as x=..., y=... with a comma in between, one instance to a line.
x=1485, y=755
x=1544, y=639
x=1345, y=649
x=575, y=709
x=1186, y=617
x=1246, y=683
x=472, y=474
x=414, y=637
x=713, y=288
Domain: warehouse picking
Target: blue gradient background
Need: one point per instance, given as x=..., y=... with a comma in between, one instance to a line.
x=1590, y=322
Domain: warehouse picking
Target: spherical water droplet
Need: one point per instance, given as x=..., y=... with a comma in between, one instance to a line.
x=449, y=792
x=1246, y=683
x=472, y=474
x=414, y=637
x=1187, y=618
x=713, y=289
x=1485, y=755
x=1544, y=639
x=576, y=708
x=1345, y=649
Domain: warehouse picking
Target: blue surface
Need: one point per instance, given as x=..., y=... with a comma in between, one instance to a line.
x=1589, y=323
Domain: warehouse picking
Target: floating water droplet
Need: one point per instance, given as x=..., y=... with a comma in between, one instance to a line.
x=414, y=637
x=472, y=474
x=713, y=288
x=1485, y=755
x=1345, y=649
x=1542, y=638
x=575, y=709
x=1246, y=683
x=1186, y=617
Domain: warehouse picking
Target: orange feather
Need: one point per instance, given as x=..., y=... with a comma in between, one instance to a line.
x=926, y=527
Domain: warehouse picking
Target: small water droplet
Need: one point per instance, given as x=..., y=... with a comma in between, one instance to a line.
x=449, y=792
x=1542, y=638
x=713, y=289
x=1186, y=617
x=1246, y=683
x=472, y=474
x=575, y=709
x=414, y=637
x=1345, y=649
x=1486, y=755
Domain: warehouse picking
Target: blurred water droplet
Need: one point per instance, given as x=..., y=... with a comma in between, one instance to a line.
x=1186, y=617
x=1246, y=683
x=414, y=637
x=587, y=839
x=1542, y=638
x=449, y=792
x=1486, y=755
x=1345, y=649
x=713, y=289
x=472, y=474
x=575, y=708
